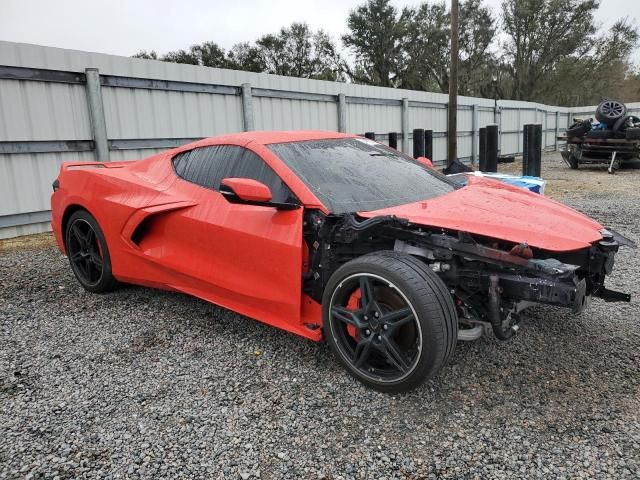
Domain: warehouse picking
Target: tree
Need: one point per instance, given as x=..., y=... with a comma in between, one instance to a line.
x=376, y=34
x=244, y=56
x=602, y=71
x=427, y=41
x=427, y=45
x=540, y=34
x=298, y=52
x=477, y=62
x=552, y=51
x=181, y=56
x=151, y=55
x=209, y=54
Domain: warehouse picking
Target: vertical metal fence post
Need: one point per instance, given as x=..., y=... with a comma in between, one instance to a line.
x=474, y=134
x=247, y=107
x=557, y=131
x=405, y=126
x=482, y=157
x=342, y=113
x=519, y=128
x=497, y=118
x=96, y=114
x=546, y=128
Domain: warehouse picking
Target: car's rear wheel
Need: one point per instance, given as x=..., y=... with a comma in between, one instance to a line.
x=390, y=320
x=88, y=253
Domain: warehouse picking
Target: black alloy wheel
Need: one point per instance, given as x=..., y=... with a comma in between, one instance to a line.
x=389, y=320
x=88, y=253
x=381, y=336
x=609, y=111
x=84, y=252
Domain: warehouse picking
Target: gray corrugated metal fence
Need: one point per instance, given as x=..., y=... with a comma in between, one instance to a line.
x=63, y=105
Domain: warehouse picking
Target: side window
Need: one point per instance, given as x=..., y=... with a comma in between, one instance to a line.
x=198, y=166
x=207, y=166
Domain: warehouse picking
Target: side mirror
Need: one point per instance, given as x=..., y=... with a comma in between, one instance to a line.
x=425, y=161
x=245, y=189
x=250, y=192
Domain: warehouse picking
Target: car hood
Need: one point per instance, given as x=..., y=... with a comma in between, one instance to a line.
x=497, y=210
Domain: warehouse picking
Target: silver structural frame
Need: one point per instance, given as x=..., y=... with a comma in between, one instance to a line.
x=96, y=115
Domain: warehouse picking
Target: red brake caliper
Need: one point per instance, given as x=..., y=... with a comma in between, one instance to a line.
x=353, y=304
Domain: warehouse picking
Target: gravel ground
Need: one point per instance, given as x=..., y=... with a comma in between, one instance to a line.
x=142, y=383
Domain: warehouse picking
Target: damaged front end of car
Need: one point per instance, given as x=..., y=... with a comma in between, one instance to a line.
x=491, y=281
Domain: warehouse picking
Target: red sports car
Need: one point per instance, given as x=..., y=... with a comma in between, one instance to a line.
x=332, y=236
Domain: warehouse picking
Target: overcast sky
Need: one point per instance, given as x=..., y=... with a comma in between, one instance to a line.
x=123, y=27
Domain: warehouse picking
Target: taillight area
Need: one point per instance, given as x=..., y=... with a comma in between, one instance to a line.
x=56, y=185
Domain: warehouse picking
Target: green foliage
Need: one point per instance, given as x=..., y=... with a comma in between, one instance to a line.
x=555, y=54
x=426, y=43
x=247, y=57
x=296, y=51
x=209, y=54
x=550, y=51
x=376, y=36
x=151, y=55
x=427, y=47
x=541, y=33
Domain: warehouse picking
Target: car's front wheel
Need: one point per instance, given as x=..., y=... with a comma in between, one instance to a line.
x=390, y=320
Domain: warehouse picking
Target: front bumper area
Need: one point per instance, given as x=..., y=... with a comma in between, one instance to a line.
x=570, y=293
x=572, y=285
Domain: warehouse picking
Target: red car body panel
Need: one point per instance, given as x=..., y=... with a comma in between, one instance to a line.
x=258, y=262
x=494, y=209
x=250, y=259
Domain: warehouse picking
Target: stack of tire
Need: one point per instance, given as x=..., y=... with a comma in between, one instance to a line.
x=614, y=123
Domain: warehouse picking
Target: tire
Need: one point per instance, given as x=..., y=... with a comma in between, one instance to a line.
x=88, y=253
x=579, y=129
x=601, y=134
x=631, y=164
x=609, y=111
x=632, y=133
x=573, y=162
x=623, y=123
x=424, y=337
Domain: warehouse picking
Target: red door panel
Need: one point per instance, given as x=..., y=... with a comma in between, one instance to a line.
x=247, y=258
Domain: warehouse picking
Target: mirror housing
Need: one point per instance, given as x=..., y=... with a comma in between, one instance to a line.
x=246, y=189
x=425, y=161
x=250, y=192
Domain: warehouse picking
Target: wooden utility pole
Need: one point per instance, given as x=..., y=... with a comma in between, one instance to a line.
x=452, y=129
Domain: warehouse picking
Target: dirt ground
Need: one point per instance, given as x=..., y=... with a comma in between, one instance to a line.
x=564, y=182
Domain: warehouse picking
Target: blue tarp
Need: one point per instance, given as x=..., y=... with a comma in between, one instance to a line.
x=533, y=184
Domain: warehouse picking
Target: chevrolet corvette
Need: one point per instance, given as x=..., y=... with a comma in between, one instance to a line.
x=333, y=237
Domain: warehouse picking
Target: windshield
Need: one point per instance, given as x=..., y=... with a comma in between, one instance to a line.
x=356, y=174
